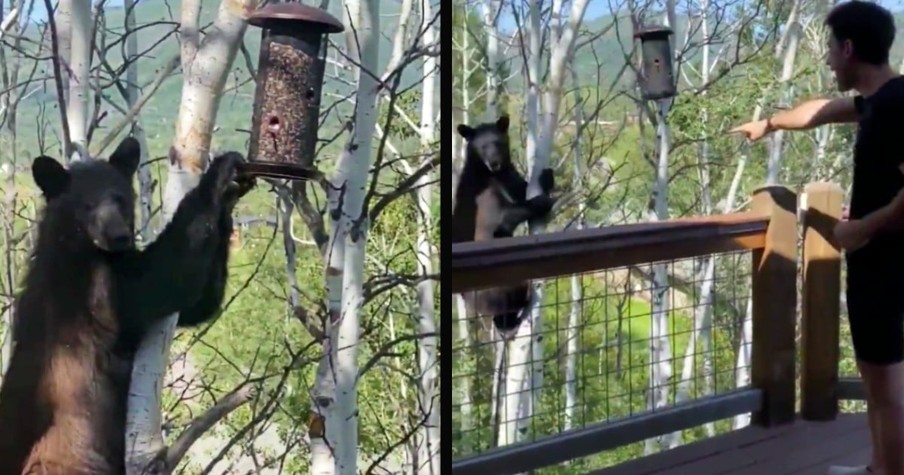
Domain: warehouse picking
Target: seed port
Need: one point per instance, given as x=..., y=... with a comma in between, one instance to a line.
x=273, y=124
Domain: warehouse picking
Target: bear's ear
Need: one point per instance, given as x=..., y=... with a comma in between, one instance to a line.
x=50, y=176
x=502, y=123
x=126, y=157
x=466, y=131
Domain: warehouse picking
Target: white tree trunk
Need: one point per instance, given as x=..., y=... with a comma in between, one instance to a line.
x=500, y=372
x=742, y=367
x=787, y=31
x=464, y=382
x=458, y=144
x=660, y=369
x=527, y=347
x=145, y=198
x=79, y=89
x=527, y=350
x=336, y=400
x=703, y=311
x=512, y=386
x=575, y=315
x=63, y=20
x=519, y=349
x=490, y=21
x=205, y=68
x=777, y=139
x=429, y=445
x=458, y=147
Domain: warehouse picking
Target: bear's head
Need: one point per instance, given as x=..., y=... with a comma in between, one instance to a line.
x=489, y=143
x=94, y=198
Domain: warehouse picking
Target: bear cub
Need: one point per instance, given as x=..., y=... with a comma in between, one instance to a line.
x=89, y=297
x=491, y=202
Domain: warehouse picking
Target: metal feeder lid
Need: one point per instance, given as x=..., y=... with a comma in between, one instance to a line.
x=275, y=13
x=654, y=33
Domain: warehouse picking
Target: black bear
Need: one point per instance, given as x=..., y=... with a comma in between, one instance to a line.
x=88, y=299
x=491, y=202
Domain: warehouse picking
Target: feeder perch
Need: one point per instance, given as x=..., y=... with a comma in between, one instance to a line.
x=658, y=80
x=287, y=98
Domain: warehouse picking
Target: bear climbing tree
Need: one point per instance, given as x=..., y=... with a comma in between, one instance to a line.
x=491, y=202
x=488, y=168
x=88, y=298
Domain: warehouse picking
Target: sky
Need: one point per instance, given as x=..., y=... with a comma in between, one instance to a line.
x=598, y=8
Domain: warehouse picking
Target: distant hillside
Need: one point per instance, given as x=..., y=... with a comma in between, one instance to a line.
x=600, y=61
x=156, y=20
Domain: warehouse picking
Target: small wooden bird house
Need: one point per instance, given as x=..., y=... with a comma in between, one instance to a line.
x=658, y=78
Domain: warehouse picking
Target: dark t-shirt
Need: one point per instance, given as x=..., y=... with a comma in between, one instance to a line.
x=878, y=154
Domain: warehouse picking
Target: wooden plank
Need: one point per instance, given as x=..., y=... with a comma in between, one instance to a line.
x=774, y=293
x=608, y=435
x=820, y=310
x=757, y=454
x=752, y=448
x=800, y=458
x=857, y=456
x=508, y=261
x=703, y=450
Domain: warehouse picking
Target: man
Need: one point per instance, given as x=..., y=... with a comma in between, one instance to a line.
x=861, y=35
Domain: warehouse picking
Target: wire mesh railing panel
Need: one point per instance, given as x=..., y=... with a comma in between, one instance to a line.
x=601, y=347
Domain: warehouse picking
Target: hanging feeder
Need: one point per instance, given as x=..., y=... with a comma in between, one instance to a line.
x=657, y=76
x=287, y=98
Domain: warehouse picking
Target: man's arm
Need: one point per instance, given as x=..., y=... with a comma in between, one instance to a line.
x=811, y=114
x=807, y=115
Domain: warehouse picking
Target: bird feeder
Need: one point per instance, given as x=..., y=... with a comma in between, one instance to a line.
x=287, y=98
x=657, y=79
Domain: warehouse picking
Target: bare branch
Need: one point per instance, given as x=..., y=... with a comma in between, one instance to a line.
x=127, y=120
x=204, y=422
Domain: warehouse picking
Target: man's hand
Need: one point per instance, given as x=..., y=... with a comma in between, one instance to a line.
x=754, y=130
x=851, y=235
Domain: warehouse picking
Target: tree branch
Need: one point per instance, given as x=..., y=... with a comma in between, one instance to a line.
x=58, y=78
x=205, y=421
x=404, y=187
x=127, y=120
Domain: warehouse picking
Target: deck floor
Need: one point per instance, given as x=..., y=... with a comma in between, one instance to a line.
x=799, y=448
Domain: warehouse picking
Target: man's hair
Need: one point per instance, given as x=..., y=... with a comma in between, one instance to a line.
x=869, y=27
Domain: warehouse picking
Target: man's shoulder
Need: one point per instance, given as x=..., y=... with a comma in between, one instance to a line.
x=891, y=94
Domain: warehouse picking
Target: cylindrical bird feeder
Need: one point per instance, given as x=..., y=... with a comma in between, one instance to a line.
x=658, y=79
x=287, y=99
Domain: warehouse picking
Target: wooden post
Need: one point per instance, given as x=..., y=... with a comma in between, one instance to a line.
x=820, y=309
x=774, y=294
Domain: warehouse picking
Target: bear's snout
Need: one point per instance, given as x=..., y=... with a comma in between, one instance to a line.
x=111, y=233
x=119, y=241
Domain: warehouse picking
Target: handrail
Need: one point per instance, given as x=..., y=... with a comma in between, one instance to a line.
x=507, y=261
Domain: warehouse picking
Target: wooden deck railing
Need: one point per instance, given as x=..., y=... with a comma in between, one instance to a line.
x=770, y=231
